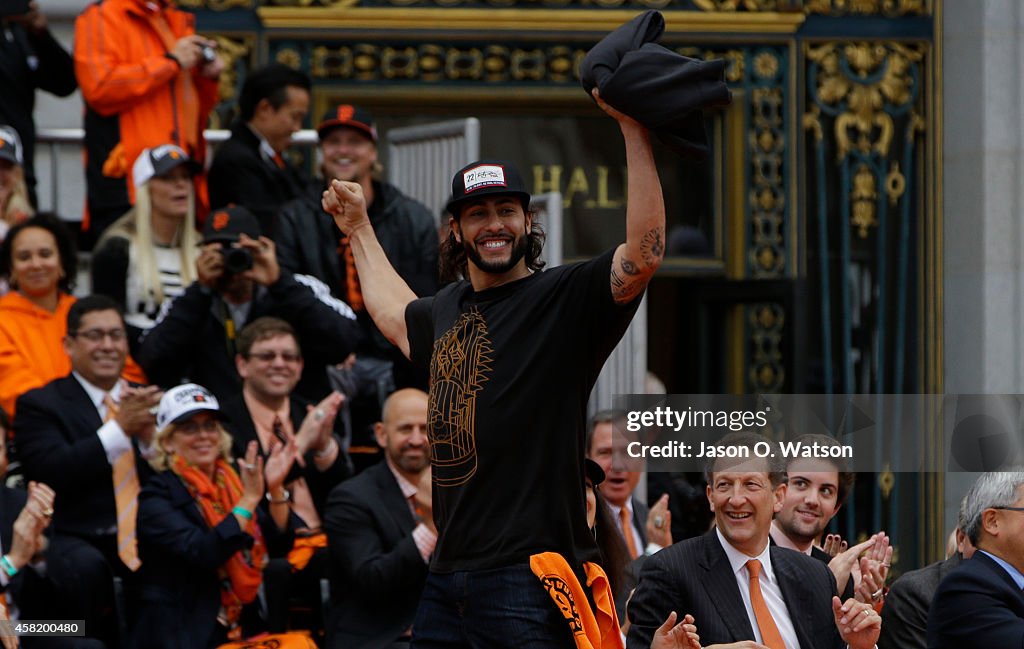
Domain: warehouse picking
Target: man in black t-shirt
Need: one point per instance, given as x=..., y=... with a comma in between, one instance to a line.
x=513, y=354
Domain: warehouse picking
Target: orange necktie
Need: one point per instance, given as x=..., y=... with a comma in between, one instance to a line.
x=279, y=161
x=126, y=496
x=353, y=289
x=770, y=636
x=627, y=532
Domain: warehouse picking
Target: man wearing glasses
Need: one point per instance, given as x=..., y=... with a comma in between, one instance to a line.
x=270, y=362
x=86, y=435
x=981, y=603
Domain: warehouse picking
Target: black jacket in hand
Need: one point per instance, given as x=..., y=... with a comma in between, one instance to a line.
x=659, y=88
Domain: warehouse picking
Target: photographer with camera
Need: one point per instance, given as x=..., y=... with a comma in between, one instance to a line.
x=30, y=58
x=239, y=280
x=147, y=79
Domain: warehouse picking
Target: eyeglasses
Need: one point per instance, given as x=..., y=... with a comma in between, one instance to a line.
x=1010, y=509
x=191, y=428
x=96, y=335
x=268, y=356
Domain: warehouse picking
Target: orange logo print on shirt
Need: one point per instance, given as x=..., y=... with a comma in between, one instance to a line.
x=458, y=369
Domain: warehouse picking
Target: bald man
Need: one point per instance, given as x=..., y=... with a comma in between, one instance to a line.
x=381, y=533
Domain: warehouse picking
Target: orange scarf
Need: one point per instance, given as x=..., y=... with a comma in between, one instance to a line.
x=240, y=575
x=590, y=629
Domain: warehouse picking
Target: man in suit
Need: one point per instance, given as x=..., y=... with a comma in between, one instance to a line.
x=84, y=434
x=738, y=587
x=905, y=614
x=816, y=489
x=381, y=533
x=981, y=603
x=249, y=168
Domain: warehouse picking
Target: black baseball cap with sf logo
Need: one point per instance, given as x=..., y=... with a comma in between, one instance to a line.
x=483, y=178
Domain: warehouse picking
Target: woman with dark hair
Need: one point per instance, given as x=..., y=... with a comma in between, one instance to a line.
x=38, y=261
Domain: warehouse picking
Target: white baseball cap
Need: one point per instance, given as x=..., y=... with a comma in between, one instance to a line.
x=183, y=401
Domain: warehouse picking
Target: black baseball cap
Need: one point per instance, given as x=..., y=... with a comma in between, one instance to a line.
x=350, y=116
x=483, y=178
x=159, y=160
x=225, y=224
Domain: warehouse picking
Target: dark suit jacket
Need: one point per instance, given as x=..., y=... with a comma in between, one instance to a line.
x=240, y=175
x=55, y=428
x=377, y=573
x=905, y=614
x=694, y=576
x=977, y=606
x=180, y=552
x=243, y=431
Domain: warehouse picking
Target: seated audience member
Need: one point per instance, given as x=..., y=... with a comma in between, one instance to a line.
x=737, y=585
x=149, y=254
x=23, y=518
x=643, y=531
x=203, y=538
x=269, y=361
x=381, y=533
x=249, y=168
x=980, y=604
x=83, y=434
x=905, y=614
x=239, y=280
x=14, y=201
x=815, y=491
x=30, y=59
x=38, y=260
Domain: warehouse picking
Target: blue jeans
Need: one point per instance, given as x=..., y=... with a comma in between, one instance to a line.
x=489, y=609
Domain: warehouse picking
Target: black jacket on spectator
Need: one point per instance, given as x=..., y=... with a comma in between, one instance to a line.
x=377, y=572
x=190, y=341
x=240, y=175
x=659, y=88
x=180, y=552
x=243, y=431
x=57, y=444
x=307, y=242
x=29, y=61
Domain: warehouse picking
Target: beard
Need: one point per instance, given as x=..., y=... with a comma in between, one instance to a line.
x=518, y=251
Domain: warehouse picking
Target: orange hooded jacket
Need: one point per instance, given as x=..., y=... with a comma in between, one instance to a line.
x=122, y=67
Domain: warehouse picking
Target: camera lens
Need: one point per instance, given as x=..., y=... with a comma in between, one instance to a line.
x=209, y=54
x=236, y=260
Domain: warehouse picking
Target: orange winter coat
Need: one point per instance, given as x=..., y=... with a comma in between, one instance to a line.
x=32, y=347
x=122, y=69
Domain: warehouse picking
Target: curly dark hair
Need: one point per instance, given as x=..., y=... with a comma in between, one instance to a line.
x=65, y=247
x=452, y=256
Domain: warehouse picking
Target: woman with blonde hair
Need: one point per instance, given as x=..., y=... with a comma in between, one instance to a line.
x=203, y=535
x=149, y=254
x=14, y=203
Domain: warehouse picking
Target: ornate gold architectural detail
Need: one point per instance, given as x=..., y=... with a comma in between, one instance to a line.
x=734, y=73
x=216, y=5
x=766, y=371
x=331, y=62
x=863, y=198
x=231, y=51
x=289, y=57
x=890, y=8
x=886, y=481
x=733, y=5
x=861, y=79
x=767, y=197
x=895, y=184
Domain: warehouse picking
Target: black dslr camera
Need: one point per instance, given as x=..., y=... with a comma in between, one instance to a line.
x=236, y=260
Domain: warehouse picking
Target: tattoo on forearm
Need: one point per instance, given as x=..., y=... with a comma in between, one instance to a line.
x=620, y=289
x=652, y=245
x=629, y=267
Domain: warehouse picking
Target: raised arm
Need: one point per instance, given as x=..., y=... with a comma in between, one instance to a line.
x=385, y=293
x=636, y=260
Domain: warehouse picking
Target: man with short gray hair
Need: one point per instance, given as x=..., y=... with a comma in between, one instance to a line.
x=981, y=604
